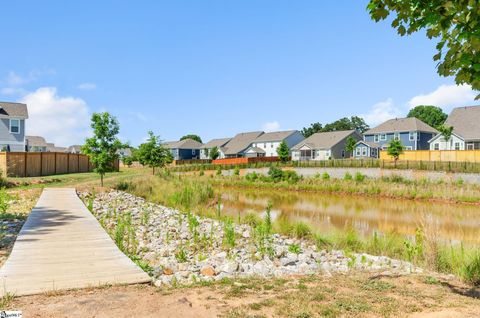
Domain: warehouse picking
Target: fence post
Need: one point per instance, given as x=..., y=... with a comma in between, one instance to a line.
x=25, y=164
x=55, y=161
x=41, y=164
x=78, y=163
x=68, y=163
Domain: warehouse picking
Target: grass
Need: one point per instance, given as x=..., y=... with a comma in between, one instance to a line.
x=197, y=195
x=359, y=184
x=6, y=300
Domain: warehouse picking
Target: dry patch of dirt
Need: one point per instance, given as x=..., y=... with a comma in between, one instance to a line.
x=359, y=295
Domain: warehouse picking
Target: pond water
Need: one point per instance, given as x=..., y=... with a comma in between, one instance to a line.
x=452, y=223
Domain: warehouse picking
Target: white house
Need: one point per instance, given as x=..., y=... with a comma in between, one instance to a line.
x=324, y=146
x=466, y=130
x=219, y=143
x=266, y=145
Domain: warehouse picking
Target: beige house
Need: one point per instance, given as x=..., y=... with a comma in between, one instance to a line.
x=324, y=146
x=466, y=130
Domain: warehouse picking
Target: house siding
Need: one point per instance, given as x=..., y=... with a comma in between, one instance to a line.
x=15, y=141
x=270, y=147
x=337, y=151
x=185, y=154
x=421, y=144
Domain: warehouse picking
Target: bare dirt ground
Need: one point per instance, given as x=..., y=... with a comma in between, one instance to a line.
x=358, y=295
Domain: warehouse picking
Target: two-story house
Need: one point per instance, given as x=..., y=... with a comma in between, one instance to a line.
x=35, y=144
x=12, y=126
x=266, y=145
x=184, y=149
x=466, y=130
x=413, y=133
x=239, y=144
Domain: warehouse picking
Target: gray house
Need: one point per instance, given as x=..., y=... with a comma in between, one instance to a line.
x=12, y=126
x=238, y=145
x=466, y=130
x=324, y=146
x=412, y=132
x=35, y=144
x=266, y=145
x=219, y=143
x=186, y=149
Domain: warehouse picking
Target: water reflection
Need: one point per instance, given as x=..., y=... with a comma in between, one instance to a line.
x=454, y=223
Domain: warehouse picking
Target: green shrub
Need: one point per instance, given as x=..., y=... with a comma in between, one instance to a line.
x=5, y=199
x=290, y=176
x=276, y=174
x=294, y=248
x=325, y=176
x=252, y=219
x=359, y=177
x=181, y=255
x=124, y=186
x=219, y=171
x=252, y=176
x=229, y=233
x=236, y=171
x=348, y=176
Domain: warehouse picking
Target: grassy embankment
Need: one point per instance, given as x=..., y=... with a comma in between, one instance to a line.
x=196, y=194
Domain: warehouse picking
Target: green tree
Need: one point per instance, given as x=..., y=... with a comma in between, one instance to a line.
x=283, y=152
x=314, y=128
x=152, y=153
x=103, y=146
x=350, y=144
x=214, y=153
x=455, y=25
x=446, y=132
x=192, y=136
x=395, y=149
x=431, y=115
x=127, y=160
x=344, y=123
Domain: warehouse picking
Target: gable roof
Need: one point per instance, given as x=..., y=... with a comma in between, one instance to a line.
x=370, y=144
x=182, y=144
x=18, y=110
x=220, y=142
x=401, y=125
x=35, y=141
x=255, y=150
x=325, y=140
x=74, y=148
x=465, y=122
x=275, y=136
x=241, y=142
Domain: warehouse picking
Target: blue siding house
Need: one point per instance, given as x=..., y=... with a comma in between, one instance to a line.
x=184, y=149
x=12, y=126
x=412, y=132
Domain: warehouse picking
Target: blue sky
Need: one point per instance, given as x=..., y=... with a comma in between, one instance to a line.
x=213, y=68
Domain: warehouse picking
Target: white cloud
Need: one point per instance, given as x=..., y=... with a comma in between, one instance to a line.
x=381, y=112
x=87, y=86
x=271, y=126
x=62, y=120
x=446, y=96
x=13, y=79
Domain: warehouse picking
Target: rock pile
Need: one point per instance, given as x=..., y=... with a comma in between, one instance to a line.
x=182, y=248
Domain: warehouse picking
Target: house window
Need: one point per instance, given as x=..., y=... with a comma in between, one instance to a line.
x=375, y=138
x=15, y=126
x=358, y=152
x=383, y=137
x=343, y=153
x=418, y=136
x=364, y=151
x=193, y=152
x=436, y=146
x=264, y=145
x=411, y=136
x=271, y=145
x=396, y=136
x=470, y=146
x=457, y=146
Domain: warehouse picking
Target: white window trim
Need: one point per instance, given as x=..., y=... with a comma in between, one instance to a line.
x=19, y=126
x=382, y=137
x=375, y=138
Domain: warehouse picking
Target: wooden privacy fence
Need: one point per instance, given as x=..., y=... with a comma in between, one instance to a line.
x=244, y=160
x=436, y=155
x=34, y=164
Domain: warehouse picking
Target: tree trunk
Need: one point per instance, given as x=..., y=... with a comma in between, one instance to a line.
x=101, y=179
x=153, y=170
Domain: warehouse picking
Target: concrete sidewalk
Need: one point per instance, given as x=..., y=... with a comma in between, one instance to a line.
x=62, y=246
